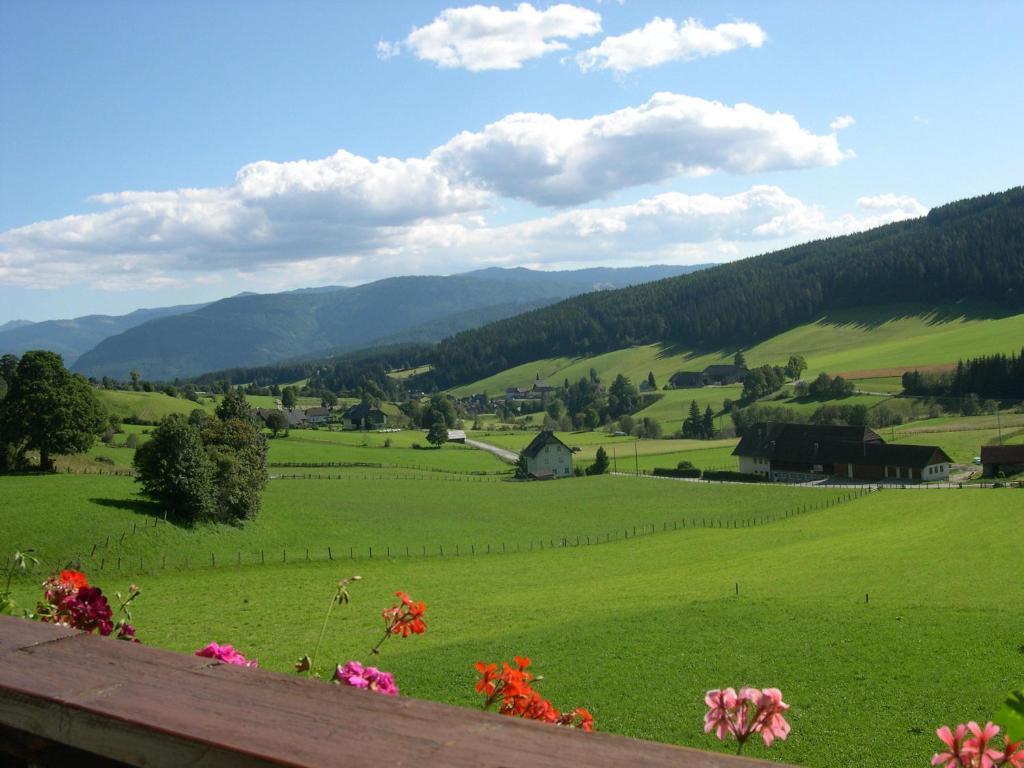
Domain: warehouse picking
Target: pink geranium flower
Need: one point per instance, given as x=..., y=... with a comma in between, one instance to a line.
x=752, y=711
x=227, y=655
x=369, y=678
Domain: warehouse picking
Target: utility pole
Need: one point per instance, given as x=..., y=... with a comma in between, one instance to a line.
x=636, y=455
x=999, y=426
x=615, y=460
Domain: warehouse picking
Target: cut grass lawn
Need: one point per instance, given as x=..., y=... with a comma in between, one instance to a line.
x=149, y=406
x=638, y=630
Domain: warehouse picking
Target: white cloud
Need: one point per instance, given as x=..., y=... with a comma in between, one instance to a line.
x=482, y=37
x=347, y=218
x=559, y=161
x=841, y=122
x=387, y=50
x=890, y=202
x=662, y=40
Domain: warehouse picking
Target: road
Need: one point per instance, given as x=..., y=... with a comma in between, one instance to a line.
x=505, y=455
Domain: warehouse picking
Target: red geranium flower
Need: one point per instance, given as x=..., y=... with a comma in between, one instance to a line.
x=74, y=578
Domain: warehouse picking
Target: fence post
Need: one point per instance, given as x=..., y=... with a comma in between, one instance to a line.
x=330, y=555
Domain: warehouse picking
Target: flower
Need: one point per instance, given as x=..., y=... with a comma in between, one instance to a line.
x=126, y=631
x=1013, y=753
x=984, y=755
x=751, y=711
x=720, y=704
x=74, y=578
x=87, y=610
x=369, y=678
x=227, y=655
x=513, y=688
x=408, y=619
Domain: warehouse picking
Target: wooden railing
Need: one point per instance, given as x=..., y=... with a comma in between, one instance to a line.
x=72, y=699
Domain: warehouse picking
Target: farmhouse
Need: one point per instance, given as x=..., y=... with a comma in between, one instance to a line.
x=517, y=393
x=548, y=457
x=318, y=415
x=713, y=374
x=1005, y=459
x=803, y=452
x=363, y=416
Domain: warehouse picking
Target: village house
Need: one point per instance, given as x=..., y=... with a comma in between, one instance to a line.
x=318, y=415
x=713, y=374
x=803, y=452
x=548, y=457
x=517, y=393
x=363, y=416
x=1004, y=459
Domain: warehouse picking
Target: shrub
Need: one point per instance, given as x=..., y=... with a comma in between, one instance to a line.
x=735, y=477
x=668, y=472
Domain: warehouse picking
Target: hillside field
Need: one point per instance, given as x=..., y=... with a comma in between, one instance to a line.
x=847, y=342
x=852, y=610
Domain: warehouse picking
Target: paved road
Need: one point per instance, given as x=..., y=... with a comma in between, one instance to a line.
x=505, y=455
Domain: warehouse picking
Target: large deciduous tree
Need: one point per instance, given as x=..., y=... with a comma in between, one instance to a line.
x=49, y=409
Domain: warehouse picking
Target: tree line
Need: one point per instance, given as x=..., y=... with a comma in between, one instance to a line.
x=995, y=376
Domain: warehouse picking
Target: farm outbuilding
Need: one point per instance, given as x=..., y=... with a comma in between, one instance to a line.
x=1005, y=459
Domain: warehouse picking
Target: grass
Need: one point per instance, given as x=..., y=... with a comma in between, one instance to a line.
x=637, y=630
x=365, y=509
x=898, y=337
x=148, y=406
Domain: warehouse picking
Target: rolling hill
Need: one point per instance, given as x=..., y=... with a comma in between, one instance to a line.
x=254, y=329
x=965, y=259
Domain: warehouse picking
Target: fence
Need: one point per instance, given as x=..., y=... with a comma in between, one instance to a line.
x=100, y=558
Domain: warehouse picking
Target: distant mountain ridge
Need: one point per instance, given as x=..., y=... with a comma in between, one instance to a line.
x=259, y=329
x=73, y=337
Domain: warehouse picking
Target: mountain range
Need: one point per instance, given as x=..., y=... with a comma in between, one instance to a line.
x=257, y=329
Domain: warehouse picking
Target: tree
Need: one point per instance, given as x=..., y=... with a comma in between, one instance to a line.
x=601, y=463
x=796, y=366
x=522, y=469
x=238, y=453
x=174, y=469
x=438, y=434
x=591, y=419
x=692, y=425
x=234, y=406
x=650, y=380
x=135, y=376
x=276, y=421
x=328, y=399
x=49, y=410
x=203, y=468
x=739, y=360
x=708, y=424
x=622, y=397
x=289, y=397
x=821, y=387
x=189, y=393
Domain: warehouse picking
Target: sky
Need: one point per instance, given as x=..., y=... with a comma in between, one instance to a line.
x=164, y=153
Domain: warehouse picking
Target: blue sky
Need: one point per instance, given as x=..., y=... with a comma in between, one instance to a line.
x=236, y=145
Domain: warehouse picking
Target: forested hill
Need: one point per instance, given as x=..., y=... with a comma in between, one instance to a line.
x=971, y=249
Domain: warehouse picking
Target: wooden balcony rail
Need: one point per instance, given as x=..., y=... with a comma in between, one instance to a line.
x=70, y=699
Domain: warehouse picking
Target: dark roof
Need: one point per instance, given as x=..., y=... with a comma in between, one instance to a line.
x=361, y=411
x=1002, y=454
x=542, y=439
x=826, y=444
x=318, y=411
x=725, y=370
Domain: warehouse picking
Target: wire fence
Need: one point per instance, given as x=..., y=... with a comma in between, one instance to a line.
x=101, y=558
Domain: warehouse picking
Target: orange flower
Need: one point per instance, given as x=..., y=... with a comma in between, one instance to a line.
x=74, y=578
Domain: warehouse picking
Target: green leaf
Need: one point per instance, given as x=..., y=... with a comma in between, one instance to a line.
x=1011, y=716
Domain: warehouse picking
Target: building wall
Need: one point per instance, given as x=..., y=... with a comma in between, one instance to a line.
x=754, y=465
x=551, y=458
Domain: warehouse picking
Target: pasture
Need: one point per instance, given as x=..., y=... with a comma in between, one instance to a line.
x=851, y=610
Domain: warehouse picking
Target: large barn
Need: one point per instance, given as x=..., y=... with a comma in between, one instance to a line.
x=803, y=452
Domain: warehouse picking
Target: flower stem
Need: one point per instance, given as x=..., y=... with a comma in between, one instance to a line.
x=323, y=630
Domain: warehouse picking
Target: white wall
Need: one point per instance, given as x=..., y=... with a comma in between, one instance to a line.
x=552, y=458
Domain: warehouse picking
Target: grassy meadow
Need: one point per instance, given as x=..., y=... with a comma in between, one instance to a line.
x=636, y=629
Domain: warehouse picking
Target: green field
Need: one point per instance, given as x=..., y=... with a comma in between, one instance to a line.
x=864, y=340
x=148, y=406
x=636, y=630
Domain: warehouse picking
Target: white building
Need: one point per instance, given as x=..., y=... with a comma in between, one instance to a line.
x=548, y=457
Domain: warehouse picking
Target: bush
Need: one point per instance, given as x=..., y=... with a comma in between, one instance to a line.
x=735, y=477
x=132, y=441
x=685, y=465
x=686, y=472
